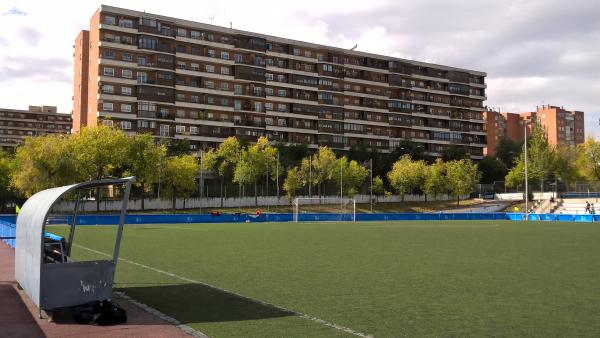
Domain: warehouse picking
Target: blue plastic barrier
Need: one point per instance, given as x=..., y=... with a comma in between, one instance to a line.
x=8, y=229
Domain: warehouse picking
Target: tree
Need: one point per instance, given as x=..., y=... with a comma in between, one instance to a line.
x=378, y=188
x=143, y=160
x=454, y=152
x=44, y=162
x=359, y=152
x=462, y=177
x=258, y=160
x=6, y=168
x=353, y=175
x=223, y=160
x=507, y=151
x=565, y=164
x=179, y=177
x=292, y=183
x=492, y=170
x=99, y=152
x=406, y=175
x=589, y=159
x=435, y=179
x=539, y=160
x=323, y=165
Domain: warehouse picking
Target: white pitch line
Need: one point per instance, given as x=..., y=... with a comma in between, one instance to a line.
x=192, y=281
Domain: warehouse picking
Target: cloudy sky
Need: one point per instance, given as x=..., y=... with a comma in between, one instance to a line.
x=534, y=51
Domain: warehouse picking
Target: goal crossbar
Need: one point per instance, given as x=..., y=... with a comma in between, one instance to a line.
x=347, y=205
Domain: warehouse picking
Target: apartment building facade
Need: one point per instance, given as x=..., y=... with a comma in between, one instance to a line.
x=16, y=124
x=563, y=127
x=181, y=79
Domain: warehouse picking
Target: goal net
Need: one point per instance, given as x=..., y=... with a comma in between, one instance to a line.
x=314, y=208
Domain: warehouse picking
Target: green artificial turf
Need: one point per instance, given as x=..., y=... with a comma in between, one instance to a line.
x=386, y=279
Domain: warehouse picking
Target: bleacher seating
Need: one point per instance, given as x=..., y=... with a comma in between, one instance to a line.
x=576, y=206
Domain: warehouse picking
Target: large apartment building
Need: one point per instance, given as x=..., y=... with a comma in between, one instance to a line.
x=181, y=79
x=16, y=124
x=563, y=127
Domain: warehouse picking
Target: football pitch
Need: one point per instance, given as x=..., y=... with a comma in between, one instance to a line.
x=382, y=279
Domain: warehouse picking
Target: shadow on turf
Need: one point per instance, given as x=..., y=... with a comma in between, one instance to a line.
x=196, y=303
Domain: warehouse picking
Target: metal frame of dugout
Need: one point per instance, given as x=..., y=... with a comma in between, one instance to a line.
x=43, y=267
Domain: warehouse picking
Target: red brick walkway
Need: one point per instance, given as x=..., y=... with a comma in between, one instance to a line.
x=19, y=316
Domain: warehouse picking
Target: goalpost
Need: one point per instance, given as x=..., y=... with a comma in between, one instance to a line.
x=345, y=205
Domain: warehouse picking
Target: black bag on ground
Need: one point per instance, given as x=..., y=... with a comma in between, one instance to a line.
x=100, y=313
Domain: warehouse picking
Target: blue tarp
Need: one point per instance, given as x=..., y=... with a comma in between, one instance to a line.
x=8, y=229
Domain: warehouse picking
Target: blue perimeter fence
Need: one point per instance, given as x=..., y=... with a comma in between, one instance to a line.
x=8, y=227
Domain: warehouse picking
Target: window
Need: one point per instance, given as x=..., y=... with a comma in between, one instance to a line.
x=128, y=40
x=269, y=91
x=209, y=84
x=195, y=35
x=281, y=92
x=142, y=77
x=181, y=65
x=164, y=130
x=181, y=32
x=126, y=108
x=210, y=116
x=104, y=122
x=210, y=68
x=237, y=104
x=194, y=98
x=127, y=57
x=281, y=78
x=327, y=68
x=180, y=129
x=224, y=70
x=107, y=106
x=269, y=106
x=125, y=125
x=126, y=23
x=268, y=120
x=110, y=20
x=225, y=55
x=109, y=71
x=258, y=106
x=211, y=53
x=210, y=37
x=194, y=130
x=224, y=102
x=225, y=39
x=147, y=42
x=195, y=66
x=126, y=73
x=210, y=100
x=281, y=107
x=224, y=86
x=238, y=58
x=296, y=51
x=108, y=89
x=181, y=49
x=109, y=54
x=269, y=76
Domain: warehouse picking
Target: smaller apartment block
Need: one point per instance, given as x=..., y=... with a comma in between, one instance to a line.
x=563, y=127
x=17, y=124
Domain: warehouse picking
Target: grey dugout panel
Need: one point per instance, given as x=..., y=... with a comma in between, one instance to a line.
x=66, y=283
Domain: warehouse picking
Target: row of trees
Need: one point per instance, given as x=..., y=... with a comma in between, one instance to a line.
x=560, y=164
x=96, y=153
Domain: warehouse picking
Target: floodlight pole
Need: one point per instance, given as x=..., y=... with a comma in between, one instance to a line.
x=310, y=176
x=277, y=175
x=341, y=186
x=201, y=183
x=526, y=183
x=371, y=189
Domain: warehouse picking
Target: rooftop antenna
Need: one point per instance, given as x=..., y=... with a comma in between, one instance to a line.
x=230, y=24
x=211, y=18
x=353, y=48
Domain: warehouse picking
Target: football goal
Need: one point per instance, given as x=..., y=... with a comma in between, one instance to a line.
x=304, y=208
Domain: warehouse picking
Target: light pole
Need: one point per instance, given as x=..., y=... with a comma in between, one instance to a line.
x=201, y=183
x=371, y=189
x=526, y=183
x=341, y=186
